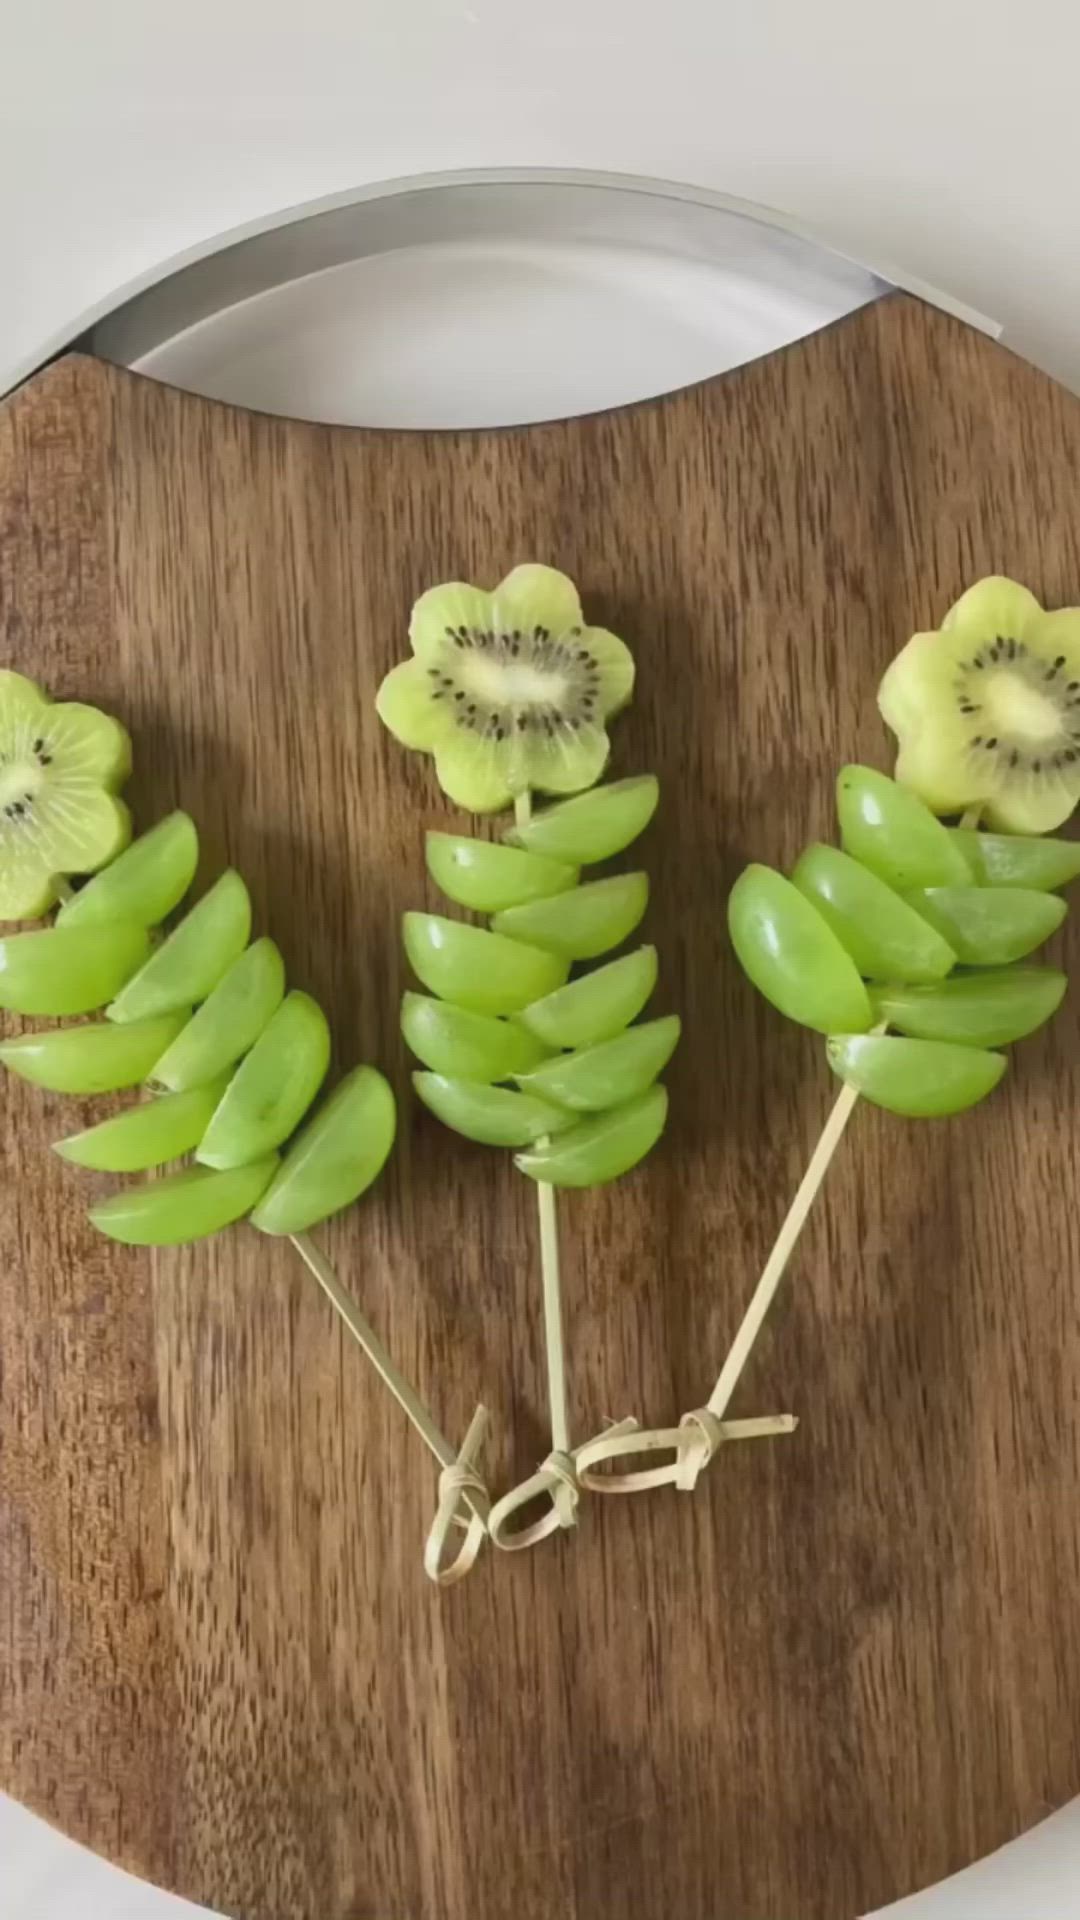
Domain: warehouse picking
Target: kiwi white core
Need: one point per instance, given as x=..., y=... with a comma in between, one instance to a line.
x=512, y=685
x=1016, y=708
x=21, y=780
x=1022, y=707
x=504, y=681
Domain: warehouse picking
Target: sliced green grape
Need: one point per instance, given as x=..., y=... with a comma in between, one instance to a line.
x=984, y=1009
x=96, y=1058
x=146, y=1135
x=921, y=1079
x=885, y=937
x=989, y=926
x=65, y=970
x=334, y=1158
x=467, y=1046
x=486, y=877
x=185, y=1206
x=192, y=960
x=495, y=1116
x=602, y=1148
x=582, y=924
x=890, y=831
x=476, y=969
x=592, y=826
x=596, y=1007
x=609, y=1074
x=145, y=883
x=793, y=957
x=229, y=1022
x=273, y=1087
x=1018, y=859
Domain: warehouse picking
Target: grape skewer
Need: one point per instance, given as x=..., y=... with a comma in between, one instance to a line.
x=510, y=692
x=236, y=1077
x=868, y=935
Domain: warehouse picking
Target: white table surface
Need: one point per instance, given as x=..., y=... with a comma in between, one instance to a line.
x=942, y=136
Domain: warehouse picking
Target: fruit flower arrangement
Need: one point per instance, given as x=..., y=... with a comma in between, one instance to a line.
x=907, y=947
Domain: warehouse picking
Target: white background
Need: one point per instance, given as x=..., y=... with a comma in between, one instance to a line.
x=939, y=135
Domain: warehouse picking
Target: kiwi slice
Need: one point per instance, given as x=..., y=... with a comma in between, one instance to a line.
x=509, y=690
x=60, y=764
x=988, y=710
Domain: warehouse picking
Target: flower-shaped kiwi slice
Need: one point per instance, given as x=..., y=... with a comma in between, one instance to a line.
x=987, y=710
x=509, y=690
x=60, y=765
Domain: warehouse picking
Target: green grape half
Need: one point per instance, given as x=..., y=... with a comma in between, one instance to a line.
x=890, y=831
x=229, y=1022
x=989, y=926
x=147, y=1135
x=495, y=1116
x=66, y=970
x=793, y=957
x=600, y=1149
x=486, y=877
x=273, y=1087
x=1018, y=859
x=596, y=1007
x=984, y=1009
x=184, y=1206
x=885, y=937
x=192, y=960
x=582, y=924
x=592, y=826
x=145, y=883
x=96, y=1058
x=609, y=1074
x=921, y=1079
x=464, y=1045
x=476, y=969
x=334, y=1158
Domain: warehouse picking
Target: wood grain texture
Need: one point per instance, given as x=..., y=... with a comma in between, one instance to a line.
x=847, y=1665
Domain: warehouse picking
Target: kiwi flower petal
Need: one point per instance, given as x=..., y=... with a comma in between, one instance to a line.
x=405, y=704
x=535, y=596
x=444, y=615
x=60, y=766
x=992, y=606
x=987, y=710
x=509, y=690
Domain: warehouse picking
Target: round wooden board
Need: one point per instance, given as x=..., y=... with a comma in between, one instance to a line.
x=848, y=1664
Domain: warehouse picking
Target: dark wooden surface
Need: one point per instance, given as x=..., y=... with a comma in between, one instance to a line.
x=849, y=1664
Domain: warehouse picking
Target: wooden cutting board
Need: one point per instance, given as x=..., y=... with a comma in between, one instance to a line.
x=849, y=1663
